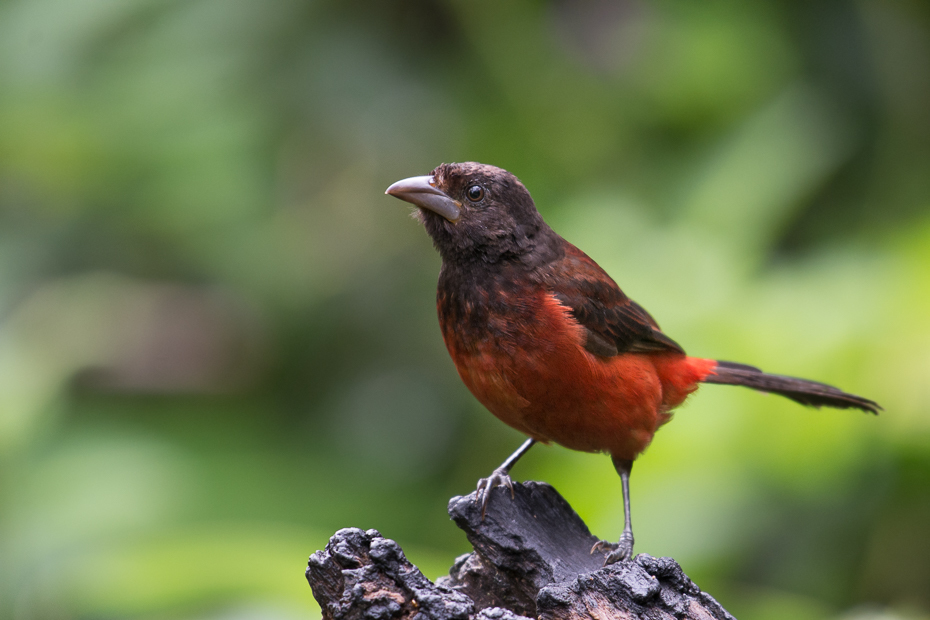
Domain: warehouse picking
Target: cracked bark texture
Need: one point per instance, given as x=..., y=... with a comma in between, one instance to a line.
x=531, y=559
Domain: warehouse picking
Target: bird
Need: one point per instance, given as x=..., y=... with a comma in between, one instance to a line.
x=546, y=340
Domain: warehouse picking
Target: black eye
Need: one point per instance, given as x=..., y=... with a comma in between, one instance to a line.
x=475, y=193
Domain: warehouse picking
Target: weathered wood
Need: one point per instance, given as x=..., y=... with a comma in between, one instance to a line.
x=532, y=560
x=363, y=576
x=523, y=544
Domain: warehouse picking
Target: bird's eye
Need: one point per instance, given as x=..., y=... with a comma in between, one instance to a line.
x=475, y=193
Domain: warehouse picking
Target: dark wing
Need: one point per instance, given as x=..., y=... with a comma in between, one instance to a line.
x=614, y=323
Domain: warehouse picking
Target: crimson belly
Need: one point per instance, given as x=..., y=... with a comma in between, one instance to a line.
x=539, y=379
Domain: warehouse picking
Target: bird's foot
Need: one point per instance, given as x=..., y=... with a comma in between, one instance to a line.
x=622, y=550
x=603, y=546
x=498, y=478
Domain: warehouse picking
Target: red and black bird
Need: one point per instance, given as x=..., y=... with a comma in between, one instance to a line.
x=548, y=342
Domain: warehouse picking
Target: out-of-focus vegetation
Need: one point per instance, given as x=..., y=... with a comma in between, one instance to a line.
x=218, y=340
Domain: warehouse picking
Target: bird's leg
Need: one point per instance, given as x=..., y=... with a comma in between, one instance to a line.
x=500, y=477
x=623, y=550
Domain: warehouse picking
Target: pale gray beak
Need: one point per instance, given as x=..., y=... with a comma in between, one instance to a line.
x=421, y=192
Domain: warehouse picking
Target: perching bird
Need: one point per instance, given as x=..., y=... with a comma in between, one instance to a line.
x=548, y=342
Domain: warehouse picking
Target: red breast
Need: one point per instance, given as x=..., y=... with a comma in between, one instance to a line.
x=536, y=376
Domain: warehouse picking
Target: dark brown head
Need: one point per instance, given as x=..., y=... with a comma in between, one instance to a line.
x=475, y=212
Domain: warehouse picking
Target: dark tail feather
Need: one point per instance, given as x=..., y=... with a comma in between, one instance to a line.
x=799, y=390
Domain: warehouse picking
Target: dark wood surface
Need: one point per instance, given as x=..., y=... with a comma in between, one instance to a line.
x=532, y=559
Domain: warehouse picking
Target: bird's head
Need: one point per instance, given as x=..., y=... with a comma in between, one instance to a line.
x=475, y=212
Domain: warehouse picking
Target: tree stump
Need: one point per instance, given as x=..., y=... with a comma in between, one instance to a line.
x=532, y=559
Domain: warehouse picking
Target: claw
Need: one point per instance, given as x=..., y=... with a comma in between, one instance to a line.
x=498, y=478
x=623, y=550
x=602, y=546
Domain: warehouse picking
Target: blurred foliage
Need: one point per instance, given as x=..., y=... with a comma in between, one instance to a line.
x=218, y=341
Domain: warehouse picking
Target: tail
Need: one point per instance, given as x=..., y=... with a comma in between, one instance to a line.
x=799, y=390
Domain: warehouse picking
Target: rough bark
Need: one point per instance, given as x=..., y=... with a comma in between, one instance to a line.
x=532, y=559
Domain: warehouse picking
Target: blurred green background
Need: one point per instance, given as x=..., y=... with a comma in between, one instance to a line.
x=218, y=340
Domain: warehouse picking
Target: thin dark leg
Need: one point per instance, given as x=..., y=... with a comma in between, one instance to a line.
x=624, y=550
x=500, y=477
x=507, y=465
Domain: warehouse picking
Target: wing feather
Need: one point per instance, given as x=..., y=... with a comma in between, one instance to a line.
x=614, y=323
